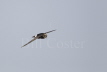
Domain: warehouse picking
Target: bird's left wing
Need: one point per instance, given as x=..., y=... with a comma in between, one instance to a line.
x=30, y=41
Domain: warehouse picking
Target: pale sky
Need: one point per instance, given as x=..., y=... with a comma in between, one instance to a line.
x=77, y=45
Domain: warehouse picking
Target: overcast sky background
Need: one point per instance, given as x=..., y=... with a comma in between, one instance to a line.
x=79, y=43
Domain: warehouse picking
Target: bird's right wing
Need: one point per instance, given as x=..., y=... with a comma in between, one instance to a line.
x=30, y=41
x=50, y=31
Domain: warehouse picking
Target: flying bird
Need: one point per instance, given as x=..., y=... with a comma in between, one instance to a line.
x=38, y=36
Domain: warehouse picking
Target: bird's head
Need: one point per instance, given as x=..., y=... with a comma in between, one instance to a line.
x=33, y=36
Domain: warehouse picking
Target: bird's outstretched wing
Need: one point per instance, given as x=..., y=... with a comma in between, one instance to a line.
x=50, y=31
x=30, y=41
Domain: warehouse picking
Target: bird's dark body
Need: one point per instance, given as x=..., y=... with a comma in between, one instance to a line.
x=42, y=35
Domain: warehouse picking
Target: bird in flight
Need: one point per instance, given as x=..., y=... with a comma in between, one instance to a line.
x=39, y=36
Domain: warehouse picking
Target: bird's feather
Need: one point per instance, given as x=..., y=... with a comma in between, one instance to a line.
x=50, y=31
x=30, y=41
